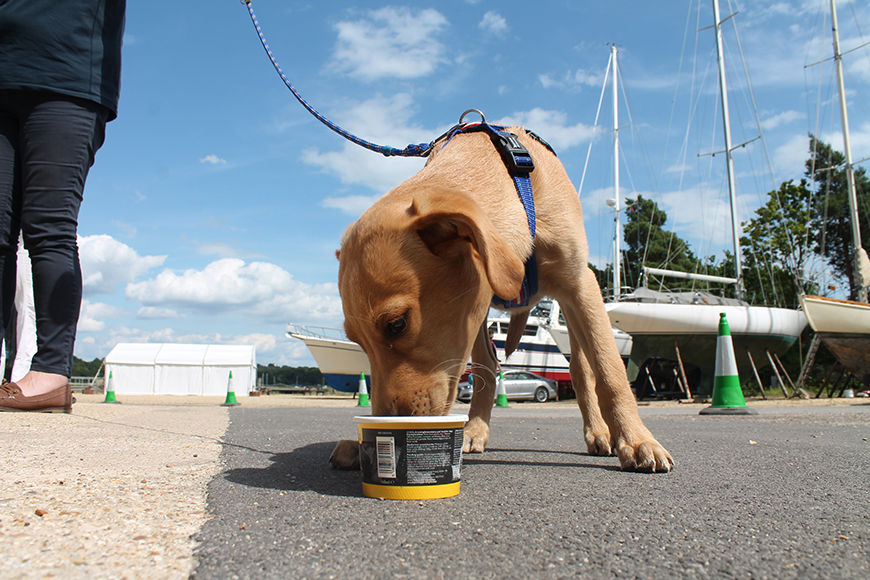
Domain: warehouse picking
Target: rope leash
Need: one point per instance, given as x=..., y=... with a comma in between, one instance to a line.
x=419, y=150
x=516, y=157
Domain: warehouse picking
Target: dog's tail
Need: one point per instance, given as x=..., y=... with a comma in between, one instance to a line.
x=515, y=331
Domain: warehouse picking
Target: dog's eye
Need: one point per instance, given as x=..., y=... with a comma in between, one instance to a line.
x=397, y=326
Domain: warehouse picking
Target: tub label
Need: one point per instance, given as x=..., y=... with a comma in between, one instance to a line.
x=411, y=457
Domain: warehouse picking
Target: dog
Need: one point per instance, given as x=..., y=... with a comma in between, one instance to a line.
x=419, y=269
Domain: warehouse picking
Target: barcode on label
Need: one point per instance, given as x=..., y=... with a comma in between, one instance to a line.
x=386, y=457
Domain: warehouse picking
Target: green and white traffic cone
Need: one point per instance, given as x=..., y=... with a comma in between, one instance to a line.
x=110, y=390
x=231, y=394
x=363, y=392
x=500, y=392
x=727, y=396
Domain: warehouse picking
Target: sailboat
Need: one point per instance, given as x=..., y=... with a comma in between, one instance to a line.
x=844, y=325
x=683, y=326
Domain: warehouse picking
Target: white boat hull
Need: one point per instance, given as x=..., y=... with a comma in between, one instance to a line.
x=658, y=329
x=537, y=351
x=341, y=361
x=560, y=335
x=844, y=327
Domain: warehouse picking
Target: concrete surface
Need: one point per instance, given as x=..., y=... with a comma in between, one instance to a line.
x=171, y=487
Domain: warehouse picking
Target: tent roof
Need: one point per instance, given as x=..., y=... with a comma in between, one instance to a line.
x=182, y=354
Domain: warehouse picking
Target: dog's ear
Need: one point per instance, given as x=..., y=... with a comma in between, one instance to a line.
x=338, y=254
x=447, y=221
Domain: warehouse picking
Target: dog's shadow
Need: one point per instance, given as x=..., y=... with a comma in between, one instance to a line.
x=496, y=456
x=307, y=469
x=304, y=469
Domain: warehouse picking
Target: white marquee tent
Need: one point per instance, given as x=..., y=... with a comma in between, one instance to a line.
x=181, y=369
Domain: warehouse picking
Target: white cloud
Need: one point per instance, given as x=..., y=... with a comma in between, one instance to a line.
x=270, y=348
x=225, y=251
x=155, y=313
x=547, y=81
x=789, y=158
x=493, y=22
x=551, y=126
x=390, y=42
x=352, y=204
x=257, y=289
x=94, y=314
x=781, y=119
x=107, y=262
x=128, y=229
x=573, y=80
x=383, y=121
x=213, y=159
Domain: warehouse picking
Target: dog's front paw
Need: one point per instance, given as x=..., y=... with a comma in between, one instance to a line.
x=598, y=443
x=345, y=455
x=647, y=455
x=475, y=436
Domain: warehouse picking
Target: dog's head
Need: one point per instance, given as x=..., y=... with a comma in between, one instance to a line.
x=417, y=273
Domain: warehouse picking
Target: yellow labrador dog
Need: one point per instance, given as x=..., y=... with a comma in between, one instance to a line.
x=420, y=267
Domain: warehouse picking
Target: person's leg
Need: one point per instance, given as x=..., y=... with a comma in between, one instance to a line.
x=9, y=195
x=59, y=139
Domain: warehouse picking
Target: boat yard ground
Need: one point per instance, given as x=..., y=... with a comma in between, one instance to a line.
x=166, y=487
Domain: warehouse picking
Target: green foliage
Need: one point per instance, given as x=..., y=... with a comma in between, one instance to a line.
x=831, y=218
x=304, y=376
x=647, y=243
x=81, y=368
x=776, y=246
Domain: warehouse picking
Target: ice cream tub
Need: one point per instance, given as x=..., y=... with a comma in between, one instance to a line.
x=410, y=457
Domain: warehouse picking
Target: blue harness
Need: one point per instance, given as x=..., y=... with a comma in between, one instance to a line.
x=519, y=164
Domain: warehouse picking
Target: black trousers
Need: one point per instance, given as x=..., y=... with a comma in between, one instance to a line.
x=47, y=146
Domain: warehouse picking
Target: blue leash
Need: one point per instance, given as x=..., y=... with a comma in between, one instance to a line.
x=420, y=150
x=515, y=156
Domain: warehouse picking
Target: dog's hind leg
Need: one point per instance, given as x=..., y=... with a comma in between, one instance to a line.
x=484, y=365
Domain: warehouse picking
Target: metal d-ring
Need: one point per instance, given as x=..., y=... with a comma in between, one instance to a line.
x=482, y=118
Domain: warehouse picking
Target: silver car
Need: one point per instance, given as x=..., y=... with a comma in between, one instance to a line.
x=519, y=386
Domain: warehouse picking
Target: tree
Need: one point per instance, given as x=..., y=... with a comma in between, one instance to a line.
x=647, y=243
x=831, y=220
x=776, y=245
x=290, y=375
x=82, y=368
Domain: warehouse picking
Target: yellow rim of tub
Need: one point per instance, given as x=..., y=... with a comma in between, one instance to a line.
x=421, y=422
x=411, y=491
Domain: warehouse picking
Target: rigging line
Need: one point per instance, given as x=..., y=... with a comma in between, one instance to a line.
x=691, y=111
x=676, y=91
x=637, y=134
x=595, y=126
x=818, y=120
x=791, y=267
x=752, y=98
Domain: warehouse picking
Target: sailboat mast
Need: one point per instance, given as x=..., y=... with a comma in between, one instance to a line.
x=847, y=150
x=617, y=235
x=723, y=89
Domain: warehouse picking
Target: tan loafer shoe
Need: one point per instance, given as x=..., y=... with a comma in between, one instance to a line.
x=57, y=401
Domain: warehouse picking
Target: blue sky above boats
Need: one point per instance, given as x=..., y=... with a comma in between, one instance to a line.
x=217, y=203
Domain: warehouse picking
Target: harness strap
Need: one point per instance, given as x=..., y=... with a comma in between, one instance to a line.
x=519, y=164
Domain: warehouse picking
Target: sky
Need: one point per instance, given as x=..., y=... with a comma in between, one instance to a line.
x=214, y=209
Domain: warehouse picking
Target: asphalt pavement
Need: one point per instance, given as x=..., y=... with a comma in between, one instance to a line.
x=782, y=494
